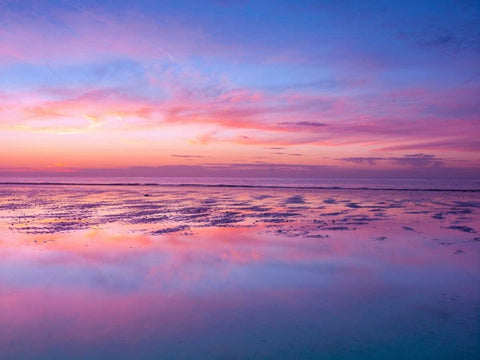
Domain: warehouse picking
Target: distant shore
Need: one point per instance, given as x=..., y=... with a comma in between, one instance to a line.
x=306, y=187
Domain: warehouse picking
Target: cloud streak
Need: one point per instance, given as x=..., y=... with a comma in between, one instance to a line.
x=412, y=160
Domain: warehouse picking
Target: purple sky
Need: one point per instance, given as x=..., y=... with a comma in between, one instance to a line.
x=240, y=88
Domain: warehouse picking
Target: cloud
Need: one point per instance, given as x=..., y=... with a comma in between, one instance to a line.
x=188, y=156
x=413, y=160
x=461, y=38
x=421, y=160
x=459, y=143
x=78, y=34
x=370, y=160
x=253, y=118
x=303, y=123
x=291, y=154
x=328, y=84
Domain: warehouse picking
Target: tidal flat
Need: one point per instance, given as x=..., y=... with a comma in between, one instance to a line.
x=184, y=272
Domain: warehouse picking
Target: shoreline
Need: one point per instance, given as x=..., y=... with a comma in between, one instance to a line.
x=135, y=184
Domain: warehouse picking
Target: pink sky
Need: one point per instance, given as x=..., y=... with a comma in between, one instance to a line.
x=102, y=88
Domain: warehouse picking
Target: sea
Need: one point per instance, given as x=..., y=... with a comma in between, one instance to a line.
x=326, y=183
x=221, y=268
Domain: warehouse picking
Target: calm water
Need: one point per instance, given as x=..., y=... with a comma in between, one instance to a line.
x=133, y=272
x=457, y=184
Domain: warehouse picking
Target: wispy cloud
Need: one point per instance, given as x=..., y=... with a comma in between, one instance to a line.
x=291, y=154
x=188, y=156
x=413, y=160
x=303, y=123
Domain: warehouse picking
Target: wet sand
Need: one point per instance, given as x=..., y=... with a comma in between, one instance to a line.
x=103, y=272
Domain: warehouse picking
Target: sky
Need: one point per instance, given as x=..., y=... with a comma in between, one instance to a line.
x=240, y=88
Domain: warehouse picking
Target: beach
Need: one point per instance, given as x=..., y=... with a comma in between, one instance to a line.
x=232, y=272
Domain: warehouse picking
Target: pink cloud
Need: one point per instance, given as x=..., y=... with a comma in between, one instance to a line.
x=257, y=118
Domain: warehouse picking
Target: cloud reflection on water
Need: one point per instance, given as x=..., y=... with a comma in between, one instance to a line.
x=296, y=288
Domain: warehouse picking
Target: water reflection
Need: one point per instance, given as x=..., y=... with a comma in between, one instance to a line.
x=394, y=288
